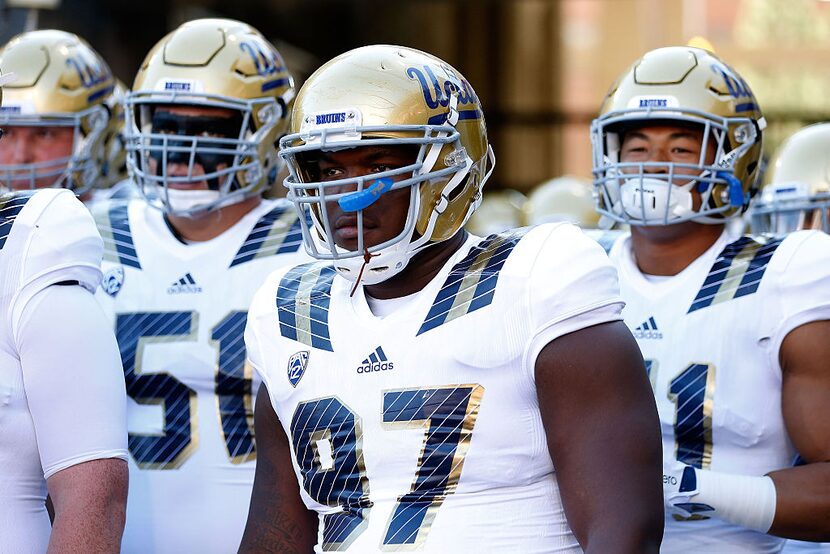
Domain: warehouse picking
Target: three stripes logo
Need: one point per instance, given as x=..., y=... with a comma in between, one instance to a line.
x=376, y=361
x=648, y=330
x=186, y=284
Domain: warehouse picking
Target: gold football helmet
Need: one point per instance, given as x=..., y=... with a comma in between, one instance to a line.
x=115, y=156
x=682, y=86
x=389, y=95
x=796, y=193
x=499, y=211
x=60, y=81
x=565, y=198
x=218, y=63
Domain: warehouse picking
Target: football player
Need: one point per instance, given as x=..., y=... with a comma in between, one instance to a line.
x=733, y=328
x=796, y=196
x=797, y=190
x=208, y=105
x=423, y=383
x=62, y=401
x=57, y=115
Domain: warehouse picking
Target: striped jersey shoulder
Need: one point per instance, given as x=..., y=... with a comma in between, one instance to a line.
x=113, y=222
x=471, y=283
x=303, y=299
x=10, y=206
x=737, y=271
x=277, y=232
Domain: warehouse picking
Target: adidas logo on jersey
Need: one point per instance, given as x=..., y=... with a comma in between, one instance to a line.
x=648, y=330
x=376, y=361
x=186, y=284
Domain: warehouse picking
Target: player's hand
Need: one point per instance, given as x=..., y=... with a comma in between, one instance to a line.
x=680, y=488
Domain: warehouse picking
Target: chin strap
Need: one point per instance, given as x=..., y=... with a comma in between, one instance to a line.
x=367, y=257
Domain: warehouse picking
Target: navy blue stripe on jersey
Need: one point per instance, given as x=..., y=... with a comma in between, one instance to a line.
x=471, y=283
x=303, y=304
x=114, y=227
x=277, y=232
x=737, y=271
x=10, y=206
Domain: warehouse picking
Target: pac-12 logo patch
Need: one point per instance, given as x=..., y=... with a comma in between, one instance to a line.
x=113, y=281
x=296, y=367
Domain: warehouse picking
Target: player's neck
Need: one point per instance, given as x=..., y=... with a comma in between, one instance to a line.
x=422, y=268
x=669, y=249
x=212, y=224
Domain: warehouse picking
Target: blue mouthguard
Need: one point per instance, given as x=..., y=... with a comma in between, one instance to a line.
x=361, y=200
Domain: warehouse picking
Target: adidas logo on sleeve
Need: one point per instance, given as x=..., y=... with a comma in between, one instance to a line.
x=376, y=361
x=647, y=330
x=184, y=285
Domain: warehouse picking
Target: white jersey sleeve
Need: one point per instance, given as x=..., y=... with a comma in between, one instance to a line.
x=573, y=285
x=62, y=245
x=73, y=379
x=801, y=273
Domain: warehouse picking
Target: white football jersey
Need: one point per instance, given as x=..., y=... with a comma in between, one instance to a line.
x=46, y=237
x=179, y=312
x=421, y=430
x=710, y=337
x=802, y=547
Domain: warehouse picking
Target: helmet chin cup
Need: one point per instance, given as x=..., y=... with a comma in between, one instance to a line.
x=187, y=202
x=654, y=200
x=380, y=267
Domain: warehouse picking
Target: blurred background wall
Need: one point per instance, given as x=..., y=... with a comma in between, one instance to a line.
x=541, y=67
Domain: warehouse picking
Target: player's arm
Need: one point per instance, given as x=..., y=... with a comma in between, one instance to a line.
x=90, y=501
x=278, y=521
x=802, y=507
x=604, y=438
x=793, y=502
x=75, y=391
